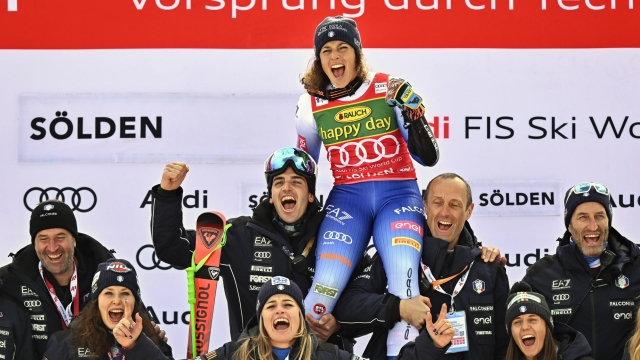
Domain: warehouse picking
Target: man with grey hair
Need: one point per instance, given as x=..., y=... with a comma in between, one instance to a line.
x=454, y=276
x=592, y=279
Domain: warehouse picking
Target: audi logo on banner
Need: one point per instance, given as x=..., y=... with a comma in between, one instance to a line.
x=335, y=235
x=149, y=261
x=560, y=297
x=82, y=199
x=32, y=303
x=262, y=254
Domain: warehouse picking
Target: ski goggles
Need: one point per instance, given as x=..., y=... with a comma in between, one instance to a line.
x=585, y=187
x=299, y=159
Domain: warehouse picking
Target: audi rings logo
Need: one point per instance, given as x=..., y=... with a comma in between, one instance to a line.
x=32, y=303
x=148, y=260
x=335, y=235
x=82, y=199
x=560, y=297
x=262, y=254
x=365, y=154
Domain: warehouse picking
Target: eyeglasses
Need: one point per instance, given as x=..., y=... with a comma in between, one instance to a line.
x=301, y=161
x=585, y=187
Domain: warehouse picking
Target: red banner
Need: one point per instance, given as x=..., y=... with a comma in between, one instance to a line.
x=276, y=24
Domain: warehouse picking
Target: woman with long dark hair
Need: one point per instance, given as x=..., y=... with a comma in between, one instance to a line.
x=533, y=333
x=113, y=326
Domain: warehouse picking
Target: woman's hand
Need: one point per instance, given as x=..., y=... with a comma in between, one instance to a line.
x=442, y=331
x=127, y=331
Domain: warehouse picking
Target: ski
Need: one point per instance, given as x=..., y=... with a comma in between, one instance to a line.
x=202, y=279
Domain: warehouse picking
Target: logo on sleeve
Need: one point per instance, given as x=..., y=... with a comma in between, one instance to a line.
x=478, y=286
x=622, y=282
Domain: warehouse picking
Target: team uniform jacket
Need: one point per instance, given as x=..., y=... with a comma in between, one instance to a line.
x=60, y=348
x=322, y=351
x=24, y=285
x=483, y=298
x=256, y=250
x=573, y=346
x=14, y=329
x=606, y=314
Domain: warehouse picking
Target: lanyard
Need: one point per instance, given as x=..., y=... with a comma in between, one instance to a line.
x=66, y=314
x=436, y=283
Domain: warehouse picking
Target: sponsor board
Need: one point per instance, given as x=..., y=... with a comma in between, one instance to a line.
x=518, y=198
x=98, y=127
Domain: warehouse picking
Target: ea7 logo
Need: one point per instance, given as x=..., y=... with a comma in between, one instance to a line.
x=84, y=352
x=326, y=291
x=561, y=284
x=27, y=291
x=260, y=241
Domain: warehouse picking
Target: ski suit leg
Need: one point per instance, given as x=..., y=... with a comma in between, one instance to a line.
x=342, y=238
x=397, y=234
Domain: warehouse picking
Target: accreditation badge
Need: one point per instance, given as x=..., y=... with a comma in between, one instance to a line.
x=460, y=341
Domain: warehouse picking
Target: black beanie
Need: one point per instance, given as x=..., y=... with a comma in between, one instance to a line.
x=115, y=272
x=522, y=300
x=573, y=200
x=337, y=28
x=279, y=285
x=52, y=214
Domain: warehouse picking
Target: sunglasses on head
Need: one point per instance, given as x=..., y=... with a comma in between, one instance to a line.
x=585, y=187
x=298, y=158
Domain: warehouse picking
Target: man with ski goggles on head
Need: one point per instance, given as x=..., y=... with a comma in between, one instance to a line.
x=279, y=239
x=591, y=281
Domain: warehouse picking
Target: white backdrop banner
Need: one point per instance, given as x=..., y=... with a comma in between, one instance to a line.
x=145, y=127
x=517, y=121
x=518, y=198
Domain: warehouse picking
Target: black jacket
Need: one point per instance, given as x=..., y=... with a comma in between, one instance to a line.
x=606, y=313
x=322, y=351
x=24, y=285
x=15, y=330
x=257, y=249
x=62, y=348
x=485, y=310
x=572, y=346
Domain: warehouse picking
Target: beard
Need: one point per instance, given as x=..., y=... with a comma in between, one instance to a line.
x=591, y=250
x=59, y=267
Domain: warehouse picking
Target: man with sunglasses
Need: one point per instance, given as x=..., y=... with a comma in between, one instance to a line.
x=279, y=239
x=591, y=281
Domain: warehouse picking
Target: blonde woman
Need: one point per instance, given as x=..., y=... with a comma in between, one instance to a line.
x=278, y=331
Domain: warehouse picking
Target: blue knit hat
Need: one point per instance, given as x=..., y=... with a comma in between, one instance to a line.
x=279, y=285
x=337, y=28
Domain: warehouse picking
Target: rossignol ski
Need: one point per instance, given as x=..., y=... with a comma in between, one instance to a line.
x=202, y=279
